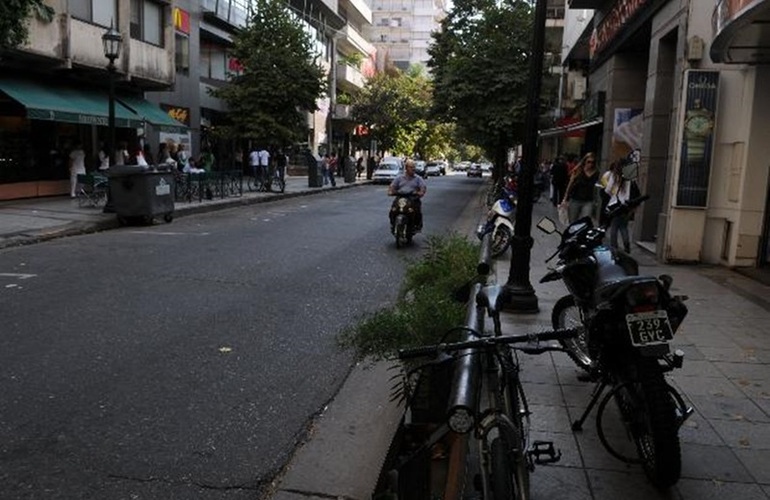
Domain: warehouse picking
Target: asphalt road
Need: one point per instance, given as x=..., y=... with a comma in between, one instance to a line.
x=187, y=360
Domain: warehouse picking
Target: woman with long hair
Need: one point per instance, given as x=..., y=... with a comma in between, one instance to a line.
x=579, y=195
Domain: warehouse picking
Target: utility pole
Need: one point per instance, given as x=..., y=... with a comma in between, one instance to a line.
x=521, y=296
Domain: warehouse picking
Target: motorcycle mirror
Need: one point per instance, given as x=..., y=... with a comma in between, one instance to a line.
x=546, y=225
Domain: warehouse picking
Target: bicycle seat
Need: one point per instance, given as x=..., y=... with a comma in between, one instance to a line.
x=491, y=297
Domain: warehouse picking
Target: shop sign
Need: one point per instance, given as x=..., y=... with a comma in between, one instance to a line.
x=182, y=20
x=612, y=24
x=697, y=141
x=182, y=115
x=727, y=11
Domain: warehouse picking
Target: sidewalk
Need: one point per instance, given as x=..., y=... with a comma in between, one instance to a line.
x=33, y=220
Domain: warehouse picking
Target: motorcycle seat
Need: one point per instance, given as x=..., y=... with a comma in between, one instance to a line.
x=607, y=289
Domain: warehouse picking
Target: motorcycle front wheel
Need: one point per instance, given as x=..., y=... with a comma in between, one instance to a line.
x=566, y=314
x=501, y=240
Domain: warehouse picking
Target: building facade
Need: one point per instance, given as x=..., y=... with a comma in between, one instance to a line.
x=401, y=30
x=54, y=89
x=673, y=80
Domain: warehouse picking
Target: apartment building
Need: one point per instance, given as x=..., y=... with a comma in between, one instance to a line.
x=401, y=30
x=683, y=83
x=173, y=54
x=54, y=88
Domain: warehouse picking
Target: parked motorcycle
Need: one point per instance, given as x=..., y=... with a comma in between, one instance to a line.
x=403, y=218
x=627, y=322
x=500, y=223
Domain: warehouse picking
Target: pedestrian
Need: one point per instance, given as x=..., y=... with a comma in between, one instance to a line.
x=371, y=166
x=579, y=195
x=281, y=160
x=359, y=166
x=104, y=157
x=559, y=179
x=207, y=160
x=147, y=151
x=325, y=168
x=333, y=164
x=121, y=155
x=77, y=165
x=238, y=159
x=264, y=164
x=254, y=163
x=182, y=158
x=618, y=191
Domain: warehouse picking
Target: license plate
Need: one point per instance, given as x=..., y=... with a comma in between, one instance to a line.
x=649, y=328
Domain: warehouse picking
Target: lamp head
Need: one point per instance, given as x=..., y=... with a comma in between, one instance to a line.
x=112, y=41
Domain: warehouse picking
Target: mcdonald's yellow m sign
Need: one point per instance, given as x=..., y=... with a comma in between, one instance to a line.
x=182, y=20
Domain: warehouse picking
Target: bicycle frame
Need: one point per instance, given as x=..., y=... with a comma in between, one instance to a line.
x=498, y=421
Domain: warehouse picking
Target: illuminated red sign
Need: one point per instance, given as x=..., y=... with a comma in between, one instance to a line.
x=616, y=19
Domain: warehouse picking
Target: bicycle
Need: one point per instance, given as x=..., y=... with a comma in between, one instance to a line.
x=501, y=421
x=274, y=182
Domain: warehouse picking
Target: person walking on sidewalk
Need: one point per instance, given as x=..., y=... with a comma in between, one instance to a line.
x=264, y=165
x=77, y=165
x=579, y=195
x=332, y=169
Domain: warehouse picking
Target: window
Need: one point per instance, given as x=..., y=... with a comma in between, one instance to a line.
x=182, y=56
x=101, y=12
x=147, y=21
x=213, y=61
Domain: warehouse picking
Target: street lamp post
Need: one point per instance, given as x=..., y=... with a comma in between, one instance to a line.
x=112, y=42
x=521, y=295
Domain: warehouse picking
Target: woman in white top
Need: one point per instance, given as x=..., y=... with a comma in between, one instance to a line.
x=77, y=166
x=619, y=191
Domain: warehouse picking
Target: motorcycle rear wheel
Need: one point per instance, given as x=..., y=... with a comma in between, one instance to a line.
x=501, y=240
x=566, y=314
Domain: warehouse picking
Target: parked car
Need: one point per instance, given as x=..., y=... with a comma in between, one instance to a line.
x=386, y=172
x=462, y=166
x=432, y=169
x=475, y=170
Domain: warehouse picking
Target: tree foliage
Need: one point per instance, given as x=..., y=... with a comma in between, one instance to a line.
x=480, y=61
x=13, y=20
x=280, y=79
x=394, y=106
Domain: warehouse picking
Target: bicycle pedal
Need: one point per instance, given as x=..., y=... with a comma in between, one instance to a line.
x=543, y=452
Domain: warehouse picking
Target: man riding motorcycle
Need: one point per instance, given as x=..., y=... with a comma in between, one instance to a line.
x=409, y=183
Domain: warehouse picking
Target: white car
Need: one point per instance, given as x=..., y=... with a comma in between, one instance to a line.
x=432, y=169
x=386, y=172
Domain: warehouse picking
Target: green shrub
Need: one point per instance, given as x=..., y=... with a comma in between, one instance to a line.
x=425, y=308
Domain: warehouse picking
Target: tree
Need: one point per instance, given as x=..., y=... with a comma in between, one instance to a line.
x=279, y=79
x=479, y=61
x=394, y=107
x=13, y=20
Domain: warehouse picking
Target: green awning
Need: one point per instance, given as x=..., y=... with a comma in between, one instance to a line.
x=153, y=114
x=66, y=104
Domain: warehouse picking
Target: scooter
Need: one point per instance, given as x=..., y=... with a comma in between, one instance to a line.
x=403, y=219
x=500, y=223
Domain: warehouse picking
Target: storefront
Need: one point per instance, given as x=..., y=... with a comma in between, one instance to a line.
x=40, y=122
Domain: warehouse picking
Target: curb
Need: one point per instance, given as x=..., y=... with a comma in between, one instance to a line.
x=110, y=221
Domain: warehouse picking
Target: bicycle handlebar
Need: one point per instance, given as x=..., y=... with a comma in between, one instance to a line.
x=487, y=342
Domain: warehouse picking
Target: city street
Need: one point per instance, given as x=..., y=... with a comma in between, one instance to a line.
x=187, y=360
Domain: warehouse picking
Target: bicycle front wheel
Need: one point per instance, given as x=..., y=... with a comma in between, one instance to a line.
x=277, y=185
x=502, y=477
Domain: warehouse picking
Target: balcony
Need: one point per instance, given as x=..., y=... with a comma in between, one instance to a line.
x=352, y=42
x=357, y=8
x=349, y=78
x=147, y=65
